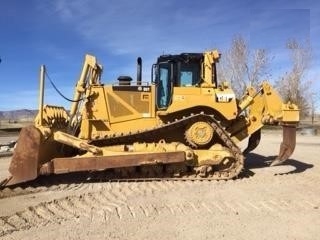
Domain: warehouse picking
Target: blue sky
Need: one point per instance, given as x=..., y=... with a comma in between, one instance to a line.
x=59, y=33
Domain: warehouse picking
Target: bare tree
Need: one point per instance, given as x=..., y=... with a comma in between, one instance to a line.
x=243, y=67
x=314, y=102
x=293, y=86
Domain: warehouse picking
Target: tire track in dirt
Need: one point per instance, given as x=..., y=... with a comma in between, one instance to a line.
x=100, y=206
x=106, y=201
x=26, y=189
x=218, y=208
x=54, y=184
x=17, y=191
x=110, y=201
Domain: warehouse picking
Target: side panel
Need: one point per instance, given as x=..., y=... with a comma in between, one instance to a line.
x=129, y=102
x=117, y=107
x=222, y=101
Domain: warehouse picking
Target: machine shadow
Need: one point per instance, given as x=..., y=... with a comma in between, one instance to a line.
x=254, y=160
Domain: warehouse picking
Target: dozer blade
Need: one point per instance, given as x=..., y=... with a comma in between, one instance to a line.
x=287, y=146
x=25, y=160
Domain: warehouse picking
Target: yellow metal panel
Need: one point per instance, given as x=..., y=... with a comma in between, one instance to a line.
x=134, y=125
x=119, y=109
x=189, y=97
x=290, y=114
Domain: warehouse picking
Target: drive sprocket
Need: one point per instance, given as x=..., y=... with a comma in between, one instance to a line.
x=199, y=134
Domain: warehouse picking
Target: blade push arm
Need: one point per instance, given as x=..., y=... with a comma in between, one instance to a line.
x=91, y=74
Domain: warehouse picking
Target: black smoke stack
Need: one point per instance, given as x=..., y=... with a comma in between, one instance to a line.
x=139, y=70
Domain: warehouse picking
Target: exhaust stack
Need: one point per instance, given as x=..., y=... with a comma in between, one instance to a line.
x=139, y=70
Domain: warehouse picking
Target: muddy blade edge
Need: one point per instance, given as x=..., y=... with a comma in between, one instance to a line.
x=287, y=146
x=25, y=160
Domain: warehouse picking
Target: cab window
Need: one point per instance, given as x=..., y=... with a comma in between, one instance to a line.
x=189, y=74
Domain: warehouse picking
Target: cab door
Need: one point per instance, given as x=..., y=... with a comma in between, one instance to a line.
x=163, y=86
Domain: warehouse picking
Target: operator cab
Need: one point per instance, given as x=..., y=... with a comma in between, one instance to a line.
x=183, y=70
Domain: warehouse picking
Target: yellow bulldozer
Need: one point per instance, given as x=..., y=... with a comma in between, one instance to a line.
x=181, y=124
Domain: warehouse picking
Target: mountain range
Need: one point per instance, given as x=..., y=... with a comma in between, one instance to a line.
x=21, y=114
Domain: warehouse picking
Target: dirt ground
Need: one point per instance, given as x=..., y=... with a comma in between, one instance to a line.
x=264, y=203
